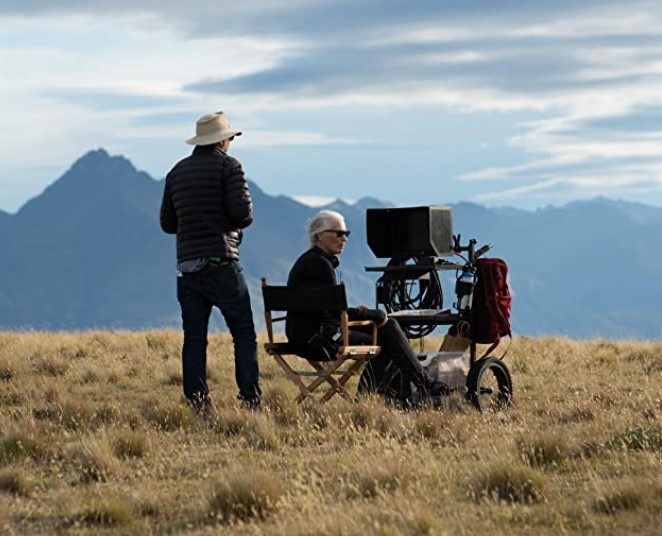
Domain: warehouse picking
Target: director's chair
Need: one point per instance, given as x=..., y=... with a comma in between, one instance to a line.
x=349, y=360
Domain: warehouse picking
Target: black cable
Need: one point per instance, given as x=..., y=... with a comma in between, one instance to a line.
x=402, y=293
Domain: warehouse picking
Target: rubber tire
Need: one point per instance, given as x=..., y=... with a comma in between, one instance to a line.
x=497, y=370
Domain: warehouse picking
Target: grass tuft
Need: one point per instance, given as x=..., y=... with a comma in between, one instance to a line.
x=428, y=425
x=76, y=414
x=375, y=479
x=90, y=375
x=629, y=495
x=257, y=430
x=422, y=524
x=6, y=373
x=107, y=513
x=51, y=366
x=52, y=414
x=578, y=415
x=545, y=449
x=14, y=481
x=231, y=423
x=148, y=508
x=130, y=444
x=20, y=443
x=173, y=378
x=249, y=496
x=362, y=416
x=316, y=416
x=106, y=414
x=280, y=403
x=169, y=416
x=647, y=437
x=11, y=395
x=94, y=461
x=508, y=484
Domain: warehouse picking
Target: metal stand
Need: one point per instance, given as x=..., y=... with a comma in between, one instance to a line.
x=410, y=318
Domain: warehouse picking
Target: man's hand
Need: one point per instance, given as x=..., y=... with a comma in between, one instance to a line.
x=379, y=317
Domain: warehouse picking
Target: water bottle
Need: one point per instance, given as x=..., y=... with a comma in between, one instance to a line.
x=464, y=288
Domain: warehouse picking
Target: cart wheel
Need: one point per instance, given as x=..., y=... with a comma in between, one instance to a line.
x=489, y=385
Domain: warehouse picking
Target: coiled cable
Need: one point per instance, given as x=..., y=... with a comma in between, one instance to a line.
x=399, y=293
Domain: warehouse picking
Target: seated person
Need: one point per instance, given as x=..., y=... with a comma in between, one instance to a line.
x=327, y=234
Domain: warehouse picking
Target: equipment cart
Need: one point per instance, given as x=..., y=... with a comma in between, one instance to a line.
x=410, y=290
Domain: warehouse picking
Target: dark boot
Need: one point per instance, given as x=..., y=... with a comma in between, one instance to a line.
x=251, y=404
x=203, y=406
x=432, y=390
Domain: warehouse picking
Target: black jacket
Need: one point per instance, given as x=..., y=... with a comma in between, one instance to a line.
x=316, y=267
x=206, y=202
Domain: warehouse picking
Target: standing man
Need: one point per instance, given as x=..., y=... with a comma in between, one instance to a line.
x=206, y=203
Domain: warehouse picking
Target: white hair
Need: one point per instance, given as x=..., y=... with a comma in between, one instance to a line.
x=320, y=222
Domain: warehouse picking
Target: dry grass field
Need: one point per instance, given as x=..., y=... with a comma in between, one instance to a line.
x=95, y=438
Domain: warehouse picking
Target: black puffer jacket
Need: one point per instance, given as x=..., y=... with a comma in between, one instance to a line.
x=316, y=267
x=206, y=202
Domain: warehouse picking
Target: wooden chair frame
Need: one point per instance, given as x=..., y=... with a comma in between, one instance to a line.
x=350, y=359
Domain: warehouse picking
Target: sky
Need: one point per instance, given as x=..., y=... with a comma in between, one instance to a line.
x=504, y=103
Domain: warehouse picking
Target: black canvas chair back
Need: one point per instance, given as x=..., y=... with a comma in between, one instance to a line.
x=333, y=374
x=310, y=299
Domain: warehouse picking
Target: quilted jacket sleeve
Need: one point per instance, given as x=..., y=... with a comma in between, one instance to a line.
x=168, y=216
x=321, y=273
x=376, y=315
x=238, y=202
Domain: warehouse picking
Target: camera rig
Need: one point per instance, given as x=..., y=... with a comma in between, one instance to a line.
x=417, y=240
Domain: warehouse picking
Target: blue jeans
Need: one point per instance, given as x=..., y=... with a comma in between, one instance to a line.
x=225, y=287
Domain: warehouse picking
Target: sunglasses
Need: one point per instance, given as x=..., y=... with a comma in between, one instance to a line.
x=339, y=234
x=231, y=138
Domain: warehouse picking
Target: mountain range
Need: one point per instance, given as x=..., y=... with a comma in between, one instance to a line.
x=88, y=252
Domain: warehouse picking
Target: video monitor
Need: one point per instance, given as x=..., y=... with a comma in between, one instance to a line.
x=410, y=231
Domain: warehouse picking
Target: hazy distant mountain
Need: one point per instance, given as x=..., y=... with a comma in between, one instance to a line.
x=88, y=252
x=586, y=269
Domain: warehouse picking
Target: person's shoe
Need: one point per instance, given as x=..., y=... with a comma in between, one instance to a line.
x=209, y=414
x=204, y=408
x=432, y=394
x=438, y=389
x=251, y=404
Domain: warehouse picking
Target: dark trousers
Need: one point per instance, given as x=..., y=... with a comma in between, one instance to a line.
x=396, y=365
x=223, y=286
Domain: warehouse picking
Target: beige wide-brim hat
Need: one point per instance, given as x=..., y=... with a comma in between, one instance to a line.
x=212, y=128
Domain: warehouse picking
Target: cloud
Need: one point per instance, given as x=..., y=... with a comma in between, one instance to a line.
x=645, y=118
x=500, y=65
x=561, y=189
x=500, y=55
x=318, y=201
x=589, y=73
x=106, y=100
x=596, y=76
x=597, y=153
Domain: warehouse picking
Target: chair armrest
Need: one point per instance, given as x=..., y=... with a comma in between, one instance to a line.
x=367, y=351
x=372, y=323
x=360, y=322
